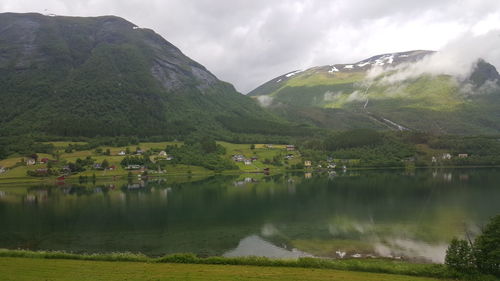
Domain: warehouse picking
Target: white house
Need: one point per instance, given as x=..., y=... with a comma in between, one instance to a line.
x=446, y=156
x=247, y=162
x=238, y=158
x=2, y=170
x=30, y=161
x=121, y=153
x=162, y=154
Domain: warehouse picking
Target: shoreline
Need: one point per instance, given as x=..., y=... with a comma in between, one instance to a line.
x=74, y=178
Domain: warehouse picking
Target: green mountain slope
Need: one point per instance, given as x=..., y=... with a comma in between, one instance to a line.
x=374, y=93
x=72, y=76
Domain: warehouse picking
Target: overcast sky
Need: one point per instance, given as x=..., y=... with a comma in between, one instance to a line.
x=248, y=42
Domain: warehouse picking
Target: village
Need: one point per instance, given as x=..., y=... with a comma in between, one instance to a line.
x=152, y=160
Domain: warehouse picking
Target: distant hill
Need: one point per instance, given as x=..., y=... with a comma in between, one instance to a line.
x=381, y=93
x=89, y=76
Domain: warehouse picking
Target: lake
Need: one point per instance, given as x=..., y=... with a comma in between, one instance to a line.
x=400, y=214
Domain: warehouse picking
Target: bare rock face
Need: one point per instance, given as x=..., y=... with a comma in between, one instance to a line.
x=20, y=33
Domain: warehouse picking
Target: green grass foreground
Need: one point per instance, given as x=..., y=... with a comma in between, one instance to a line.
x=192, y=263
x=14, y=269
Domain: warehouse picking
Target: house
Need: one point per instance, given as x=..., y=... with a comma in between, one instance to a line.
x=42, y=171
x=463, y=155
x=290, y=147
x=2, y=170
x=112, y=168
x=133, y=167
x=170, y=158
x=307, y=163
x=434, y=159
x=331, y=166
x=44, y=160
x=30, y=161
x=162, y=154
x=255, y=158
x=122, y=153
x=238, y=158
x=139, y=152
x=289, y=156
x=247, y=161
x=446, y=156
x=97, y=166
x=66, y=169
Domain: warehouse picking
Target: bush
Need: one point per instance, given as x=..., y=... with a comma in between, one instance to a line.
x=487, y=248
x=483, y=256
x=459, y=256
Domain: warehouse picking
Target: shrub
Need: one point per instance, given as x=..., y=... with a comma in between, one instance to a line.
x=482, y=256
x=487, y=248
x=459, y=256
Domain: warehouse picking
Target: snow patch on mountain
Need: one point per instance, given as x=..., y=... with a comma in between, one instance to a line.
x=293, y=73
x=363, y=64
x=333, y=69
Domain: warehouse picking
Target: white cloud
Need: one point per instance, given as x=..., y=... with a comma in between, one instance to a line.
x=458, y=58
x=265, y=101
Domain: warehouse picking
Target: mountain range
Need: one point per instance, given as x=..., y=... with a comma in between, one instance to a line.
x=105, y=76
x=90, y=76
x=398, y=91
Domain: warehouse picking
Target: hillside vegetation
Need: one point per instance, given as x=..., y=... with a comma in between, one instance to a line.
x=364, y=95
x=104, y=76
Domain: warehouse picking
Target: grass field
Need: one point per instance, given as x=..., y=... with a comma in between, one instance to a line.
x=19, y=173
x=20, y=269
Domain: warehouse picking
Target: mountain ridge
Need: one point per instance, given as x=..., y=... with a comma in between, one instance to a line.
x=89, y=76
x=388, y=89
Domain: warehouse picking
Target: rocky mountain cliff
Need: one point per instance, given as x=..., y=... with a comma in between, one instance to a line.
x=78, y=76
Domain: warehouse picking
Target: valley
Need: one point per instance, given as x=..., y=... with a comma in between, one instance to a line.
x=122, y=157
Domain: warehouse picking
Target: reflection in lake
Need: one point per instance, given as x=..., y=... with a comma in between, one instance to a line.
x=353, y=214
x=254, y=245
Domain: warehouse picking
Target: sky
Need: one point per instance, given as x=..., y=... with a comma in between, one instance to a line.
x=248, y=42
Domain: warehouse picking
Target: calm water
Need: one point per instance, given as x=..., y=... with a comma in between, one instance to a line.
x=379, y=213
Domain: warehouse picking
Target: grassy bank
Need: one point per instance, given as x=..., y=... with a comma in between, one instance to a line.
x=14, y=269
x=385, y=266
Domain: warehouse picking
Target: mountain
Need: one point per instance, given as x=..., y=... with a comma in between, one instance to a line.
x=88, y=76
x=398, y=91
